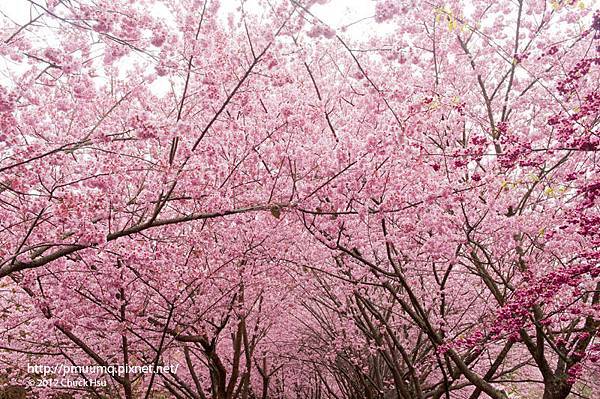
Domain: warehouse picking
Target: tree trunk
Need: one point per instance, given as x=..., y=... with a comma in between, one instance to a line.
x=556, y=388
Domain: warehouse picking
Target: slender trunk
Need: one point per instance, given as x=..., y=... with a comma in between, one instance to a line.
x=125, y=348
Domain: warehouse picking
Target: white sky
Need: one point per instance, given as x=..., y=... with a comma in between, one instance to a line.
x=336, y=13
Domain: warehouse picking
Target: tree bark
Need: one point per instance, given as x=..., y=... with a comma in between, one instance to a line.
x=556, y=388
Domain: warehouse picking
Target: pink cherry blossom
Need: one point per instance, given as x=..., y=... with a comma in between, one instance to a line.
x=404, y=205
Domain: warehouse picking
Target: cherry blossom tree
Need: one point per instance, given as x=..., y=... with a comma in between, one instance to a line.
x=404, y=206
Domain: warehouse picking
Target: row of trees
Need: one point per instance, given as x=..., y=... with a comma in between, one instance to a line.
x=404, y=207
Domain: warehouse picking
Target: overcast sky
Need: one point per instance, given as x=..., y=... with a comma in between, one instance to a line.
x=337, y=13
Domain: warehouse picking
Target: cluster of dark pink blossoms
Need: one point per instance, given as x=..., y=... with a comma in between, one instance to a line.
x=596, y=24
x=516, y=151
x=514, y=316
x=581, y=69
x=591, y=192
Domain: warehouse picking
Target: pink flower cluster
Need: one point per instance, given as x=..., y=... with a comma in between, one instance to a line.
x=386, y=10
x=319, y=30
x=145, y=127
x=571, y=83
x=7, y=100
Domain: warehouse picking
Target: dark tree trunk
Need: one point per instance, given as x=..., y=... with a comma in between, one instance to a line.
x=556, y=388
